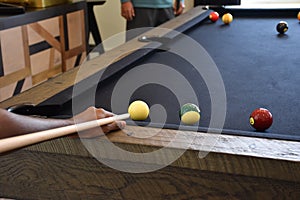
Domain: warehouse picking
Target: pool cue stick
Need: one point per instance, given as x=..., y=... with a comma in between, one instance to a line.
x=11, y=143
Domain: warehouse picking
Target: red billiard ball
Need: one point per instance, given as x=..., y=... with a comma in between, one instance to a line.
x=261, y=119
x=214, y=16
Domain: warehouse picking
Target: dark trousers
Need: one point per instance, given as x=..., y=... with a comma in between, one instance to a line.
x=147, y=17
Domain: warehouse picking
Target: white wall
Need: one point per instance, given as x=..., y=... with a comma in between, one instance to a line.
x=110, y=21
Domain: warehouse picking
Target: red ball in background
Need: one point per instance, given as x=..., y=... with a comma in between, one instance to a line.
x=261, y=119
x=214, y=16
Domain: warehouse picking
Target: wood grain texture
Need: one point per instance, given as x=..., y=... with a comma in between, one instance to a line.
x=23, y=72
x=220, y=143
x=14, y=77
x=77, y=43
x=25, y=40
x=51, y=26
x=46, y=35
x=12, y=45
x=36, y=175
x=216, y=159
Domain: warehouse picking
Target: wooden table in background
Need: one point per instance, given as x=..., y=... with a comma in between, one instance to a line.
x=46, y=41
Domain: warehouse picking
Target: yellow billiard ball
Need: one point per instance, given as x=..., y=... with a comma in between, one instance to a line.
x=227, y=18
x=298, y=16
x=138, y=110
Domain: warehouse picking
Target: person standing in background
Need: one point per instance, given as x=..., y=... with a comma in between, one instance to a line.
x=149, y=13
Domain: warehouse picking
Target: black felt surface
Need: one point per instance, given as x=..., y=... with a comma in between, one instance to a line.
x=259, y=67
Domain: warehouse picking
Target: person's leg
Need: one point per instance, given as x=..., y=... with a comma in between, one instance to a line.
x=147, y=17
x=163, y=15
x=144, y=17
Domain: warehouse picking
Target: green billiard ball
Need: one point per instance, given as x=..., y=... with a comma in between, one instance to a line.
x=189, y=114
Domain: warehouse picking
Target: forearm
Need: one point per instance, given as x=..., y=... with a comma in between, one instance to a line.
x=12, y=124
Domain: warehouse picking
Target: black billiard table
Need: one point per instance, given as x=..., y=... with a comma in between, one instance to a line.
x=227, y=70
x=251, y=64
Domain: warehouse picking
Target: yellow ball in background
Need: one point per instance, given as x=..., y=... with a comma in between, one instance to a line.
x=298, y=16
x=227, y=18
x=138, y=110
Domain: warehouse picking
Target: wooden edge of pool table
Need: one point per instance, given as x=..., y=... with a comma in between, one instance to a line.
x=248, y=156
x=244, y=156
x=252, y=154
